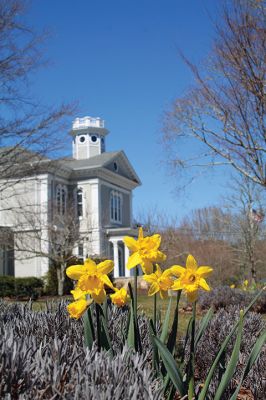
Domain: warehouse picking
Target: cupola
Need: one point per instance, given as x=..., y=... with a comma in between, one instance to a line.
x=88, y=137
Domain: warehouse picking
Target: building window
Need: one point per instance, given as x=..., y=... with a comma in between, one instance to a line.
x=79, y=203
x=80, y=250
x=116, y=206
x=61, y=199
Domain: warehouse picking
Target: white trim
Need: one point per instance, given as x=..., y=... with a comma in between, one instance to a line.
x=115, y=187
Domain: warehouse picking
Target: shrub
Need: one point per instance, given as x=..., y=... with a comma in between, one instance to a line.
x=7, y=286
x=217, y=330
x=29, y=287
x=43, y=357
x=224, y=297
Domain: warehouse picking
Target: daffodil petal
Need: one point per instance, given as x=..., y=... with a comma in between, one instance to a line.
x=150, y=278
x=160, y=256
x=158, y=270
x=140, y=233
x=155, y=240
x=90, y=264
x=105, y=267
x=147, y=266
x=131, y=243
x=99, y=297
x=106, y=280
x=204, y=284
x=176, y=270
x=133, y=260
x=78, y=293
x=154, y=288
x=77, y=308
x=177, y=285
x=191, y=263
x=75, y=271
x=204, y=271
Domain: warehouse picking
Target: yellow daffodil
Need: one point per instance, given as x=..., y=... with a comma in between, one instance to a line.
x=232, y=286
x=98, y=295
x=144, y=251
x=245, y=284
x=91, y=279
x=120, y=297
x=191, y=278
x=78, y=307
x=160, y=282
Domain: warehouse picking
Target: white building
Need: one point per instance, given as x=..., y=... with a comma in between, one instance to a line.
x=97, y=184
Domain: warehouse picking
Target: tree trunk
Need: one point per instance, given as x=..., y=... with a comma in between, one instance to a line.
x=60, y=279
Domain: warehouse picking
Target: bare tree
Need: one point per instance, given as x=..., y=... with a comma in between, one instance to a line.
x=225, y=110
x=57, y=240
x=25, y=124
x=246, y=204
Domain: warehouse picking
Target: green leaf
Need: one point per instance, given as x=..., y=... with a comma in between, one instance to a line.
x=203, y=325
x=171, y=367
x=89, y=335
x=131, y=337
x=104, y=333
x=155, y=355
x=188, y=334
x=204, y=390
x=172, y=336
x=229, y=372
x=251, y=360
x=166, y=322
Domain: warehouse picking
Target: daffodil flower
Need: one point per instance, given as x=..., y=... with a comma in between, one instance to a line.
x=120, y=297
x=191, y=278
x=91, y=279
x=245, y=284
x=144, y=251
x=78, y=307
x=160, y=282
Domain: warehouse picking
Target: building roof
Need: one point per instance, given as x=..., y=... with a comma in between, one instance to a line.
x=93, y=162
x=25, y=162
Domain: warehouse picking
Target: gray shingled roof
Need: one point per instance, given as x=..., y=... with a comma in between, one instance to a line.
x=93, y=162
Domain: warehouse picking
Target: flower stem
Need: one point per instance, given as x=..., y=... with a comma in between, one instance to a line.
x=191, y=386
x=154, y=310
x=98, y=326
x=154, y=304
x=135, y=291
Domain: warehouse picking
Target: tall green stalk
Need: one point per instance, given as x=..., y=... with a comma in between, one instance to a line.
x=154, y=310
x=154, y=305
x=98, y=326
x=135, y=292
x=191, y=383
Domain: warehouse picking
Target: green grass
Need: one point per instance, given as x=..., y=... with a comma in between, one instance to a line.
x=145, y=304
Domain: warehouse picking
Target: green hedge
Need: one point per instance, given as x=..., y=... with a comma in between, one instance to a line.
x=29, y=287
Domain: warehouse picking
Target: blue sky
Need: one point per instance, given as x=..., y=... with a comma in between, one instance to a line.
x=119, y=60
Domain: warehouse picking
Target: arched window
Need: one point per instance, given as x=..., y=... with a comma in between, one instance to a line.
x=116, y=206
